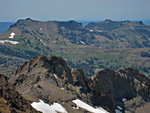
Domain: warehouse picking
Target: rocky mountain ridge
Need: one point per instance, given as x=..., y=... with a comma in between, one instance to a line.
x=124, y=34
x=52, y=80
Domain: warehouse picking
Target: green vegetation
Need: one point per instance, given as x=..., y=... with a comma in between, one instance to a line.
x=111, y=44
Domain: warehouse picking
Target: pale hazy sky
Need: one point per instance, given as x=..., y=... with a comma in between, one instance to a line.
x=12, y=10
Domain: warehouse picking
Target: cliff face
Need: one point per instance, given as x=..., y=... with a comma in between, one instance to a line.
x=128, y=88
x=11, y=101
x=52, y=80
x=137, y=90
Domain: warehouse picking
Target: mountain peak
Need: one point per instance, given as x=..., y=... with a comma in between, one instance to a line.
x=24, y=22
x=29, y=19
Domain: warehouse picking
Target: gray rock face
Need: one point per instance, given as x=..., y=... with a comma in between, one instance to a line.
x=53, y=81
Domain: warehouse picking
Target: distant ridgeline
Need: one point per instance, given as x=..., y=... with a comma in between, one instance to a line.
x=95, y=46
x=4, y=26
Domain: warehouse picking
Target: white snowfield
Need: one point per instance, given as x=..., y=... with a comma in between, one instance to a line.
x=124, y=99
x=120, y=108
x=91, y=30
x=12, y=35
x=118, y=111
x=9, y=41
x=87, y=107
x=55, y=76
x=46, y=108
x=82, y=42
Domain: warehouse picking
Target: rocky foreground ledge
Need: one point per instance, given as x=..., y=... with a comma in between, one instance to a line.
x=53, y=81
x=11, y=101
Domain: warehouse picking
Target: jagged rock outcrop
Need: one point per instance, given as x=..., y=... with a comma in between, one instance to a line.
x=136, y=90
x=42, y=69
x=61, y=69
x=11, y=101
x=52, y=80
x=128, y=83
x=79, y=79
x=98, y=86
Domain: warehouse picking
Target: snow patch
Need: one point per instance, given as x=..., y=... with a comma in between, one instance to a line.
x=46, y=108
x=12, y=35
x=9, y=41
x=87, y=107
x=120, y=108
x=117, y=111
x=82, y=42
x=62, y=89
x=99, y=31
x=42, y=42
x=91, y=30
x=124, y=99
x=55, y=76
